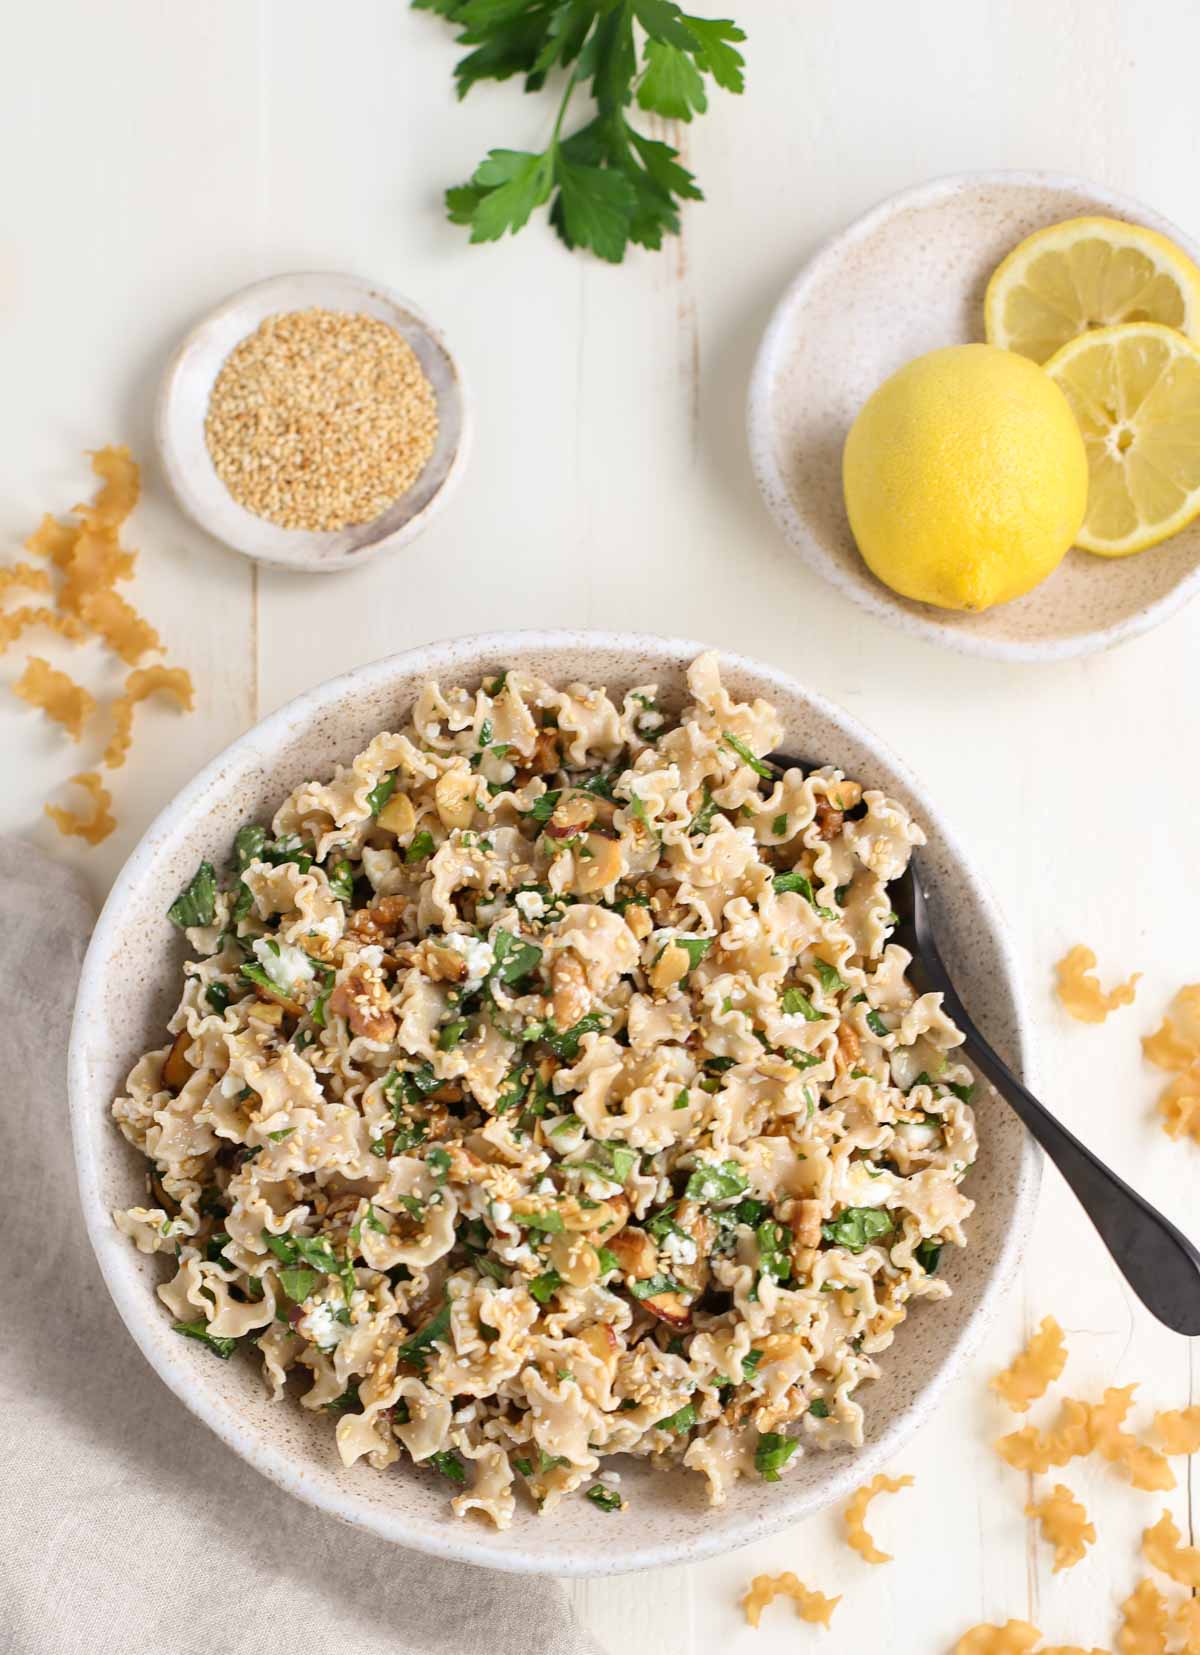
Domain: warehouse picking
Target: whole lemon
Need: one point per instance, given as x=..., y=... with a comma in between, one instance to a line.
x=965, y=477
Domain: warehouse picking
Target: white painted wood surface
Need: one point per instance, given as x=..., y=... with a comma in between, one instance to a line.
x=159, y=156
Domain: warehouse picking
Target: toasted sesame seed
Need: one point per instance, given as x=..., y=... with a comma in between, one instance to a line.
x=321, y=419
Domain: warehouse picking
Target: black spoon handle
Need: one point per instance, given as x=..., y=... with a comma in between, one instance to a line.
x=1157, y=1261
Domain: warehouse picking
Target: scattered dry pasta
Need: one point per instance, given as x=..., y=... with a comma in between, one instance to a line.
x=1186, y=1623
x=57, y=694
x=545, y=1087
x=118, y=495
x=1080, y=992
x=90, y=560
x=1013, y=1638
x=1176, y=1045
x=857, y=1536
x=812, y=1607
x=1147, y=1468
x=24, y=574
x=1161, y=1546
x=1035, y=1369
x=1179, y=1430
x=1143, y=1622
x=144, y=681
x=1069, y=1649
x=1176, y=1048
x=1032, y=1450
x=1064, y=1524
x=17, y=621
x=91, y=828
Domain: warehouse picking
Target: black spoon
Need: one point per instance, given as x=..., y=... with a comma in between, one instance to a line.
x=1156, y=1259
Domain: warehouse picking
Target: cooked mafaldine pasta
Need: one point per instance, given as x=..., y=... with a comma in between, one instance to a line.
x=545, y=1088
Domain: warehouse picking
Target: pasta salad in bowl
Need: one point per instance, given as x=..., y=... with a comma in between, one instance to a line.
x=541, y=1103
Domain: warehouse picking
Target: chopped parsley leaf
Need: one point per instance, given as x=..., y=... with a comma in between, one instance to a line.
x=794, y=1000
x=542, y=1287
x=857, y=1227
x=381, y=793
x=772, y=1454
x=607, y=1499
x=196, y=904
x=653, y=1286
x=738, y=746
x=717, y=1183
x=420, y=846
x=217, y=1343
x=682, y=1420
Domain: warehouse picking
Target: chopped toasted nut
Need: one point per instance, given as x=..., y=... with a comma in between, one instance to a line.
x=829, y=821
x=440, y=965
x=669, y=1308
x=266, y=1011
x=848, y=1050
x=575, y=1259
x=601, y=866
x=638, y=920
x=671, y=967
x=454, y=798
x=634, y=1253
x=571, y=996
x=844, y=795
x=176, y=1070
x=572, y=813
x=546, y=757
x=806, y=1223
x=380, y=921
x=398, y=815
x=362, y=999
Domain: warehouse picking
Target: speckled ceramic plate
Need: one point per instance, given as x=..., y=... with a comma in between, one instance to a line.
x=905, y=279
x=183, y=405
x=130, y=985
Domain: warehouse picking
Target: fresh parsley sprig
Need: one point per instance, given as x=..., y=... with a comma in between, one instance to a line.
x=607, y=183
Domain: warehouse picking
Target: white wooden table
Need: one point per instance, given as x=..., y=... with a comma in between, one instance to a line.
x=159, y=156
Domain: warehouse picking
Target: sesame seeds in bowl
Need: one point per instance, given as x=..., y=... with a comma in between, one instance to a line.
x=313, y=421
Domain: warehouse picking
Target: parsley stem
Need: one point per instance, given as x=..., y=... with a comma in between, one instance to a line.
x=568, y=91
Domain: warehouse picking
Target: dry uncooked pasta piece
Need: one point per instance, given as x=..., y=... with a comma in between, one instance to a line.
x=1161, y=1546
x=119, y=624
x=856, y=1512
x=1186, y=1623
x=101, y=822
x=812, y=1607
x=57, y=694
x=1013, y=1638
x=1032, y=1450
x=120, y=487
x=1080, y=993
x=1034, y=1370
x=53, y=539
x=1064, y=1525
x=1179, y=1105
x=24, y=574
x=1069, y=1649
x=1144, y=1622
x=144, y=681
x=97, y=561
x=1147, y=1468
x=1178, y=1430
x=18, y=621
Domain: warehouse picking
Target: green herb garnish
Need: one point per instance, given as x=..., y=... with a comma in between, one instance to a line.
x=857, y=1227
x=217, y=1343
x=738, y=746
x=928, y=1255
x=196, y=904
x=682, y=1420
x=542, y=1287
x=796, y=1001
x=448, y=1463
x=653, y=1286
x=772, y=1454
x=515, y=957
x=606, y=1498
x=217, y=995
x=381, y=793
x=717, y=1183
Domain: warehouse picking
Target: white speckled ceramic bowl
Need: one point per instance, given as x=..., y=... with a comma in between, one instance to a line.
x=905, y=279
x=130, y=985
x=183, y=406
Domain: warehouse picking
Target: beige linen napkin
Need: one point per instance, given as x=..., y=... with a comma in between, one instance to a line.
x=126, y=1527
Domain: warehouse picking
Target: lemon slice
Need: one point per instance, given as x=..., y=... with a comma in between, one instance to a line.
x=1135, y=391
x=1088, y=273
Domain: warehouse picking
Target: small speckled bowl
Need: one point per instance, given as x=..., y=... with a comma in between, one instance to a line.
x=183, y=406
x=130, y=985
x=907, y=278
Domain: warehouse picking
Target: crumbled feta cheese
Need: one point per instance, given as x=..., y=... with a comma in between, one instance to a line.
x=321, y=1327
x=530, y=904
x=680, y=1248
x=546, y=1187
x=501, y=1212
x=286, y=965
x=611, y=1479
x=371, y=955
x=330, y=928
x=599, y=1185
x=478, y=955
x=916, y=1134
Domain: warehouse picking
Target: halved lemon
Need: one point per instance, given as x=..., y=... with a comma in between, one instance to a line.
x=1135, y=391
x=1088, y=273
